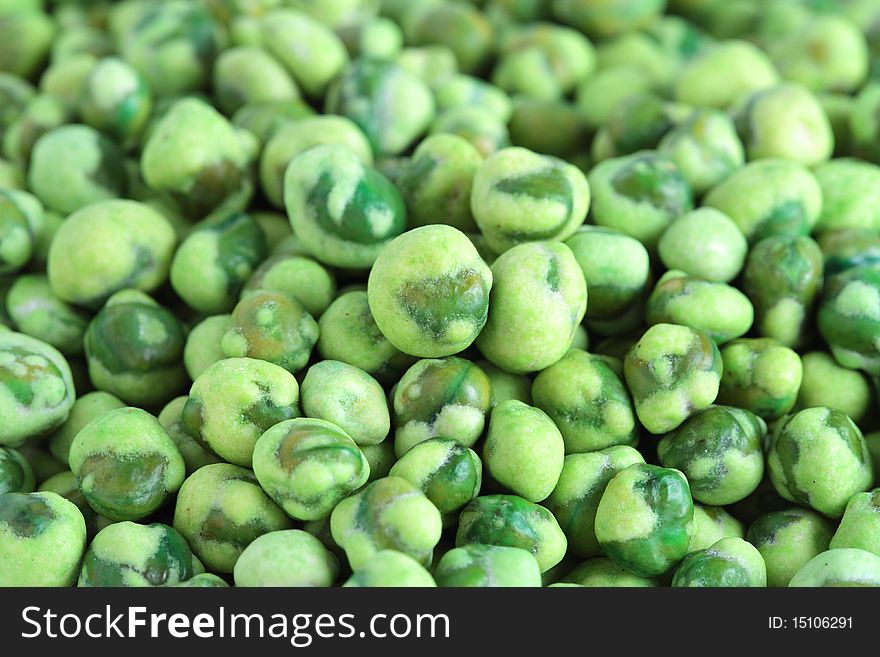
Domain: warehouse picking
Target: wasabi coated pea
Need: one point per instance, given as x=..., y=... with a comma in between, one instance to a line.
x=849, y=318
x=41, y=114
x=16, y=474
x=204, y=580
x=731, y=562
x=433, y=64
x=344, y=213
x=194, y=451
x=263, y=120
x=247, y=74
x=506, y=385
x=859, y=524
x=672, y=372
x=390, y=513
x=36, y=388
x=719, y=450
x=760, y=375
x=202, y=348
x=271, y=326
x=85, y=409
x=304, y=279
x=307, y=466
x=711, y=524
x=841, y=567
x=580, y=487
x=598, y=95
x=126, y=554
x=126, y=464
x=602, y=572
x=221, y=510
x=109, y=246
x=390, y=568
x=637, y=123
x=349, y=333
x=520, y=196
x=476, y=125
x=801, y=447
x=447, y=397
x=607, y=18
x=782, y=278
x=477, y=565
x=524, y=450
x=552, y=127
x=660, y=519
x=235, y=400
x=37, y=312
x=211, y=265
x=429, y=292
x=348, y=397
x=511, y=521
x=134, y=349
x=719, y=310
x=538, y=300
x=462, y=28
x=826, y=383
x=639, y=194
x=16, y=236
x=787, y=540
x=42, y=538
x=447, y=472
x=116, y=99
x=769, y=197
x=863, y=129
x=704, y=243
x=850, y=194
x=588, y=401
x=381, y=458
x=286, y=558
x=466, y=91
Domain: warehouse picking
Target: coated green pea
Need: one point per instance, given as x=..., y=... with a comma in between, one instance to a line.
x=286, y=558
x=194, y=451
x=711, y=524
x=849, y=318
x=202, y=348
x=704, y=243
x=840, y=567
x=859, y=525
x=116, y=99
x=731, y=562
x=247, y=74
x=477, y=565
x=390, y=568
x=85, y=409
x=38, y=312
x=850, y=194
x=760, y=375
x=603, y=572
x=789, y=539
x=16, y=474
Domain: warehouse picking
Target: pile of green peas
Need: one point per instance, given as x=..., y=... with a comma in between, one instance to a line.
x=440, y=293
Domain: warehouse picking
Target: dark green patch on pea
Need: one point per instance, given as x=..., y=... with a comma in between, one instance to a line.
x=27, y=516
x=434, y=302
x=656, y=181
x=123, y=480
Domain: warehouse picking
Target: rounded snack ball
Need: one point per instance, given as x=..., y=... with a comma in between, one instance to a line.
x=304, y=279
x=850, y=194
x=731, y=562
x=109, y=246
x=477, y=565
x=37, y=311
x=116, y=99
x=704, y=243
x=840, y=567
x=194, y=451
x=220, y=510
x=247, y=74
x=711, y=524
x=849, y=318
x=390, y=568
x=286, y=558
x=307, y=466
x=36, y=388
x=126, y=464
x=603, y=572
x=860, y=525
x=17, y=241
x=538, y=300
x=202, y=348
x=789, y=539
x=523, y=450
x=126, y=554
x=85, y=409
x=429, y=292
x=802, y=447
x=42, y=538
x=235, y=400
x=16, y=474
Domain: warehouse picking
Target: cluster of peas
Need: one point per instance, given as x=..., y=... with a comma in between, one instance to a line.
x=295, y=292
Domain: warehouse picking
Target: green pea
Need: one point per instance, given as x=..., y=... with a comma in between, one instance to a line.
x=552, y=127
x=506, y=385
x=731, y=562
x=760, y=375
x=16, y=474
x=194, y=451
x=37, y=312
x=202, y=348
x=263, y=120
x=603, y=572
x=433, y=64
x=390, y=568
x=863, y=127
x=711, y=524
x=849, y=318
x=850, y=194
x=286, y=558
x=468, y=91
x=477, y=565
x=204, y=580
x=221, y=510
x=116, y=99
x=26, y=37
x=479, y=126
x=42, y=114
x=704, y=243
x=825, y=383
x=858, y=526
x=840, y=567
x=849, y=247
x=381, y=458
x=85, y=409
x=247, y=74
x=462, y=28
x=598, y=95
x=607, y=18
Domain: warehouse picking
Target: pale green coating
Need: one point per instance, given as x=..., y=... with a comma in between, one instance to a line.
x=204, y=580
x=717, y=309
x=785, y=122
x=390, y=568
x=390, y=513
x=731, y=562
x=73, y=166
x=860, y=525
x=295, y=137
x=109, y=246
x=307, y=466
x=476, y=125
x=506, y=385
x=85, y=409
x=247, y=74
x=221, y=510
x=524, y=450
x=580, y=487
x=432, y=64
x=42, y=539
x=841, y=567
x=116, y=99
x=289, y=558
x=27, y=34
x=198, y=157
x=602, y=572
x=704, y=243
x=552, y=127
x=607, y=18
x=705, y=147
x=202, y=348
x=520, y=196
x=873, y=440
x=850, y=195
x=538, y=300
x=36, y=388
x=864, y=128
x=194, y=451
x=307, y=281
x=377, y=37
x=769, y=197
x=37, y=312
x=602, y=92
x=760, y=375
x=348, y=397
x=41, y=114
x=125, y=463
x=672, y=372
x=588, y=401
x=312, y=53
x=235, y=400
x=468, y=91
x=16, y=474
x=723, y=74
x=464, y=29
x=849, y=318
x=711, y=524
x=477, y=565
x=381, y=458
x=436, y=182
x=800, y=450
x=429, y=292
x=348, y=333
x=639, y=195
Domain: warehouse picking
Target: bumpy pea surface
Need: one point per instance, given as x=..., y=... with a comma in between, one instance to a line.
x=477, y=565
x=286, y=558
x=761, y=376
x=840, y=567
x=731, y=562
x=789, y=539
